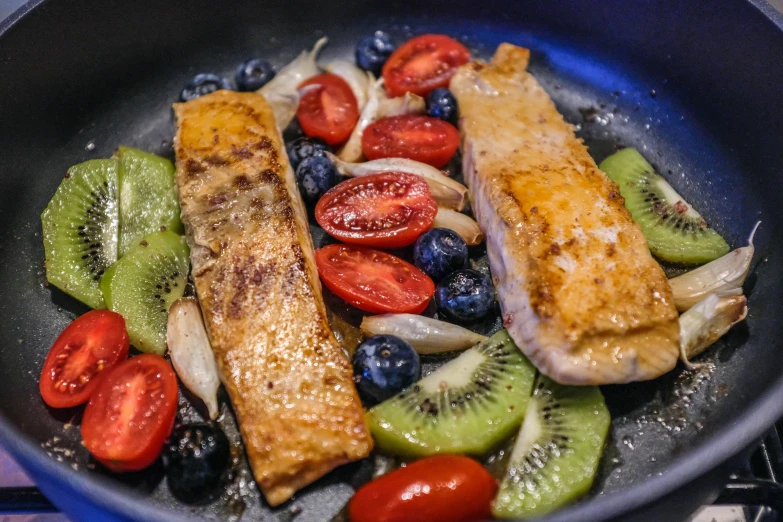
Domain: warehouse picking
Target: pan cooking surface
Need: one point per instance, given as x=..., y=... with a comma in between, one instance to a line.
x=613, y=100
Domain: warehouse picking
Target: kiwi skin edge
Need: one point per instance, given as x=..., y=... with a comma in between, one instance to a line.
x=674, y=230
x=143, y=285
x=80, y=230
x=466, y=406
x=556, y=454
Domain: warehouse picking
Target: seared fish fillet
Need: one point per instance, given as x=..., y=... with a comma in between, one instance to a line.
x=252, y=255
x=580, y=293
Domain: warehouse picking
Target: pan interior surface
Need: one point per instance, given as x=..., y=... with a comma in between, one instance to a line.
x=705, y=111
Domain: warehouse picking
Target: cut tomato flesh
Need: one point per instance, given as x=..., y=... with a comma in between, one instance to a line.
x=131, y=413
x=420, y=138
x=327, y=108
x=423, y=64
x=89, y=346
x=387, y=210
x=372, y=280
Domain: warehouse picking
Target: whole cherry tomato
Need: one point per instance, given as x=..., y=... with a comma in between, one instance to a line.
x=444, y=488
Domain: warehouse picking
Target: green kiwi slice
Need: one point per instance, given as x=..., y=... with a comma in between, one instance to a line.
x=148, y=196
x=556, y=453
x=675, y=232
x=80, y=230
x=144, y=283
x=467, y=405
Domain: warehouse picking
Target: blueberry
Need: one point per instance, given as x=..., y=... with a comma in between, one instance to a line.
x=203, y=84
x=196, y=457
x=253, y=74
x=440, y=251
x=383, y=366
x=314, y=176
x=373, y=51
x=443, y=105
x=465, y=296
x=302, y=148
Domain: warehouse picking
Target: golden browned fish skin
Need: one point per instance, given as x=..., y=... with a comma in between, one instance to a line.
x=289, y=381
x=579, y=290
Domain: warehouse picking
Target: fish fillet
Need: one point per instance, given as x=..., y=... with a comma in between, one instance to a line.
x=580, y=292
x=289, y=381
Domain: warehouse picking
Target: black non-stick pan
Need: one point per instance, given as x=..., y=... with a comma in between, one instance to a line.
x=697, y=86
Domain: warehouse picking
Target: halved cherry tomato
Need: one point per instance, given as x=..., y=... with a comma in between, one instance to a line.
x=328, y=109
x=422, y=64
x=421, y=138
x=131, y=413
x=372, y=280
x=387, y=210
x=90, y=345
x=444, y=488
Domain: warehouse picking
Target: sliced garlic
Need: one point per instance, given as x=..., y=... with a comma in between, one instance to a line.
x=191, y=354
x=448, y=193
x=708, y=321
x=359, y=81
x=352, y=150
x=378, y=106
x=281, y=89
x=725, y=273
x=463, y=225
x=283, y=107
x=408, y=104
x=426, y=335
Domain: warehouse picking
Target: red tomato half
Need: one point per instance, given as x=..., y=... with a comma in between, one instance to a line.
x=90, y=345
x=445, y=488
x=329, y=110
x=131, y=413
x=372, y=280
x=386, y=210
x=421, y=138
x=422, y=64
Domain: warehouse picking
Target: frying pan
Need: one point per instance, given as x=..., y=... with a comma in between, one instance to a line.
x=697, y=86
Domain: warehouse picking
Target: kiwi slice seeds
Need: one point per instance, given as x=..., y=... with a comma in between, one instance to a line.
x=468, y=405
x=80, y=230
x=675, y=232
x=148, y=196
x=556, y=453
x=144, y=283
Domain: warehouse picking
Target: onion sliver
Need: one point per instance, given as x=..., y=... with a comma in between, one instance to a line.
x=283, y=87
x=448, y=193
x=426, y=335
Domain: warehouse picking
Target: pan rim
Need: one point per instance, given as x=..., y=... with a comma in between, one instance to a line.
x=726, y=443
x=18, y=14
x=714, y=451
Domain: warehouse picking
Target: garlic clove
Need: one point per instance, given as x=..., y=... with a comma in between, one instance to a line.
x=725, y=273
x=447, y=192
x=463, y=225
x=426, y=335
x=191, y=354
x=708, y=321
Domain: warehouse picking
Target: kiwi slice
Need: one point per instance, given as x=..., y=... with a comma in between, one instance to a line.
x=674, y=230
x=556, y=453
x=467, y=405
x=80, y=230
x=144, y=283
x=148, y=196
